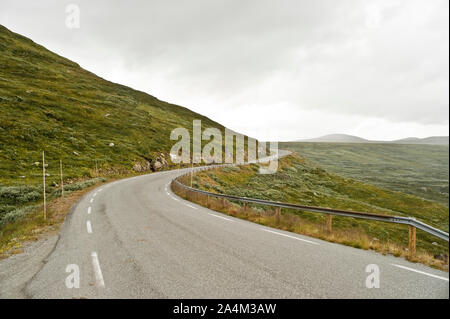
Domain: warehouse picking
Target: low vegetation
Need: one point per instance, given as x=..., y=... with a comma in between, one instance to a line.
x=302, y=182
x=421, y=170
x=50, y=103
x=95, y=127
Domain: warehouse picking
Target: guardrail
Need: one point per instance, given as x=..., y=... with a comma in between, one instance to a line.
x=410, y=221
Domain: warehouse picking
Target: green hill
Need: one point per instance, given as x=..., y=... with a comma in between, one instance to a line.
x=50, y=103
x=97, y=128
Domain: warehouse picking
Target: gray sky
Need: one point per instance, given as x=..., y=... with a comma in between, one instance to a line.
x=278, y=70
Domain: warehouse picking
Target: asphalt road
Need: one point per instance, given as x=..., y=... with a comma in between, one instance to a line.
x=135, y=239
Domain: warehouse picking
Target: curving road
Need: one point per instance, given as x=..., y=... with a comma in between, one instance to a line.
x=135, y=239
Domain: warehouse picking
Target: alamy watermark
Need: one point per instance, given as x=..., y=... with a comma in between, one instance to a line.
x=72, y=16
x=73, y=279
x=212, y=152
x=373, y=279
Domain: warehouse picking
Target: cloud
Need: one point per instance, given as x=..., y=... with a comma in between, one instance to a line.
x=260, y=66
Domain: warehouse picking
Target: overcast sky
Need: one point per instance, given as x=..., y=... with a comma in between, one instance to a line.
x=274, y=70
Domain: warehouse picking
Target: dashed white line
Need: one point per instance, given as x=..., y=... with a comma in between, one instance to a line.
x=274, y=232
x=173, y=197
x=89, y=209
x=92, y=199
x=421, y=272
x=89, y=227
x=95, y=194
x=190, y=206
x=220, y=217
x=99, y=282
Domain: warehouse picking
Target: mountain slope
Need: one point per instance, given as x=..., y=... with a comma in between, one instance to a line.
x=337, y=138
x=345, y=138
x=432, y=140
x=50, y=103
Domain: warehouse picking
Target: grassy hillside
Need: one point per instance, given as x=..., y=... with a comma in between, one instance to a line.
x=50, y=103
x=421, y=170
x=300, y=181
x=97, y=128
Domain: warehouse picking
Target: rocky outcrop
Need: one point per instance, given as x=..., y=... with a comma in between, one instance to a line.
x=143, y=166
x=151, y=165
x=157, y=165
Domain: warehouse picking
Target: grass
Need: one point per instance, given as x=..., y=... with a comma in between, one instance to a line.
x=302, y=182
x=50, y=103
x=421, y=170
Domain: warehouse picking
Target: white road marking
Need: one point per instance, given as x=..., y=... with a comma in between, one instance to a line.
x=92, y=199
x=274, y=232
x=421, y=272
x=95, y=194
x=89, y=227
x=99, y=282
x=89, y=209
x=220, y=217
x=100, y=190
x=191, y=206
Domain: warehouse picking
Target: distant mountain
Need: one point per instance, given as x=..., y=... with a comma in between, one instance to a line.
x=345, y=138
x=435, y=140
x=337, y=138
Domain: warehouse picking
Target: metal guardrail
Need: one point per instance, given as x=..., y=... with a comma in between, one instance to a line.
x=410, y=221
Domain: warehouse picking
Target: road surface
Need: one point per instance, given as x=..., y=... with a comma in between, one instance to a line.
x=134, y=238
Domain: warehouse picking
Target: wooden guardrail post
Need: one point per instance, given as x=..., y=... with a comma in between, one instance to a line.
x=412, y=241
x=329, y=223
x=245, y=206
x=277, y=214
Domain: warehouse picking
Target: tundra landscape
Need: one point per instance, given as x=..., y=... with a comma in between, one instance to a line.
x=224, y=159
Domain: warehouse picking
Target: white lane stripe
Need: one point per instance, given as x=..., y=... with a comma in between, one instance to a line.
x=92, y=199
x=100, y=190
x=421, y=272
x=274, y=232
x=99, y=282
x=95, y=194
x=89, y=227
x=220, y=217
x=89, y=209
x=191, y=206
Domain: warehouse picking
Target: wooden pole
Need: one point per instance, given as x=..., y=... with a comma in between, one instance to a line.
x=61, y=175
x=43, y=182
x=412, y=241
x=245, y=206
x=192, y=172
x=329, y=223
x=277, y=214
